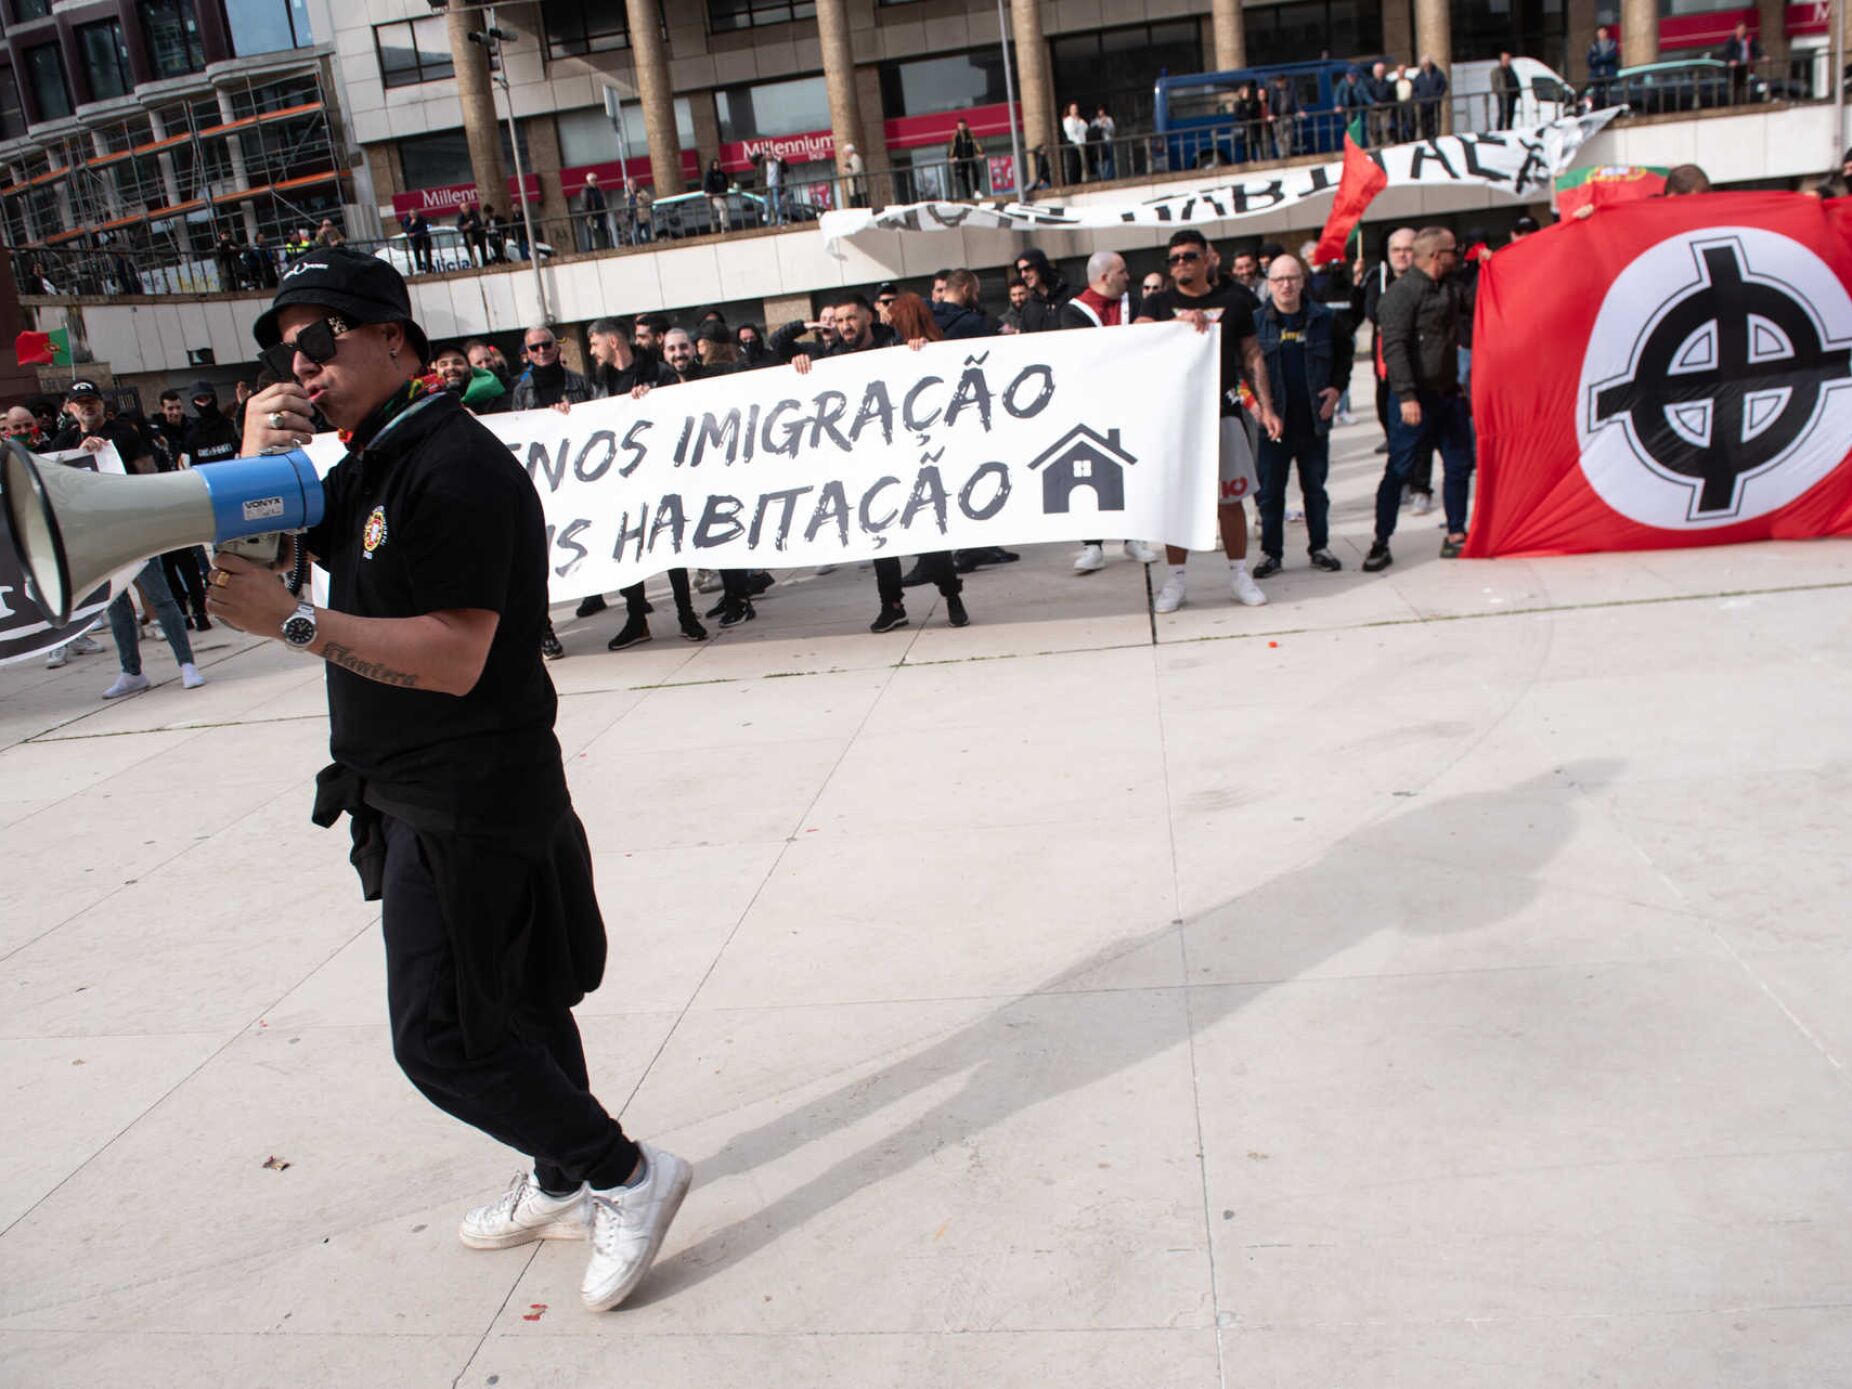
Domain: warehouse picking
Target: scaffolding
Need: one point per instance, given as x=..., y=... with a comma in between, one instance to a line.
x=139, y=203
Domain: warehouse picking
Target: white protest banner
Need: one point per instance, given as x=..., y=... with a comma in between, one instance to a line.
x=1001, y=441
x=1520, y=164
x=24, y=631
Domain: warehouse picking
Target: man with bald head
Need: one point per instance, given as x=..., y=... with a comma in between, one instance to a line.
x=1400, y=255
x=1106, y=302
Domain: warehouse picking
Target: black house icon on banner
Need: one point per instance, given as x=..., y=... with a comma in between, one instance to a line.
x=1084, y=458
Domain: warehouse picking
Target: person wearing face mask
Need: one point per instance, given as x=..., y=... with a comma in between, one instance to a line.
x=211, y=437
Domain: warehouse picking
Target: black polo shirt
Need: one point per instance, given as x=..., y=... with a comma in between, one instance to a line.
x=434, y=515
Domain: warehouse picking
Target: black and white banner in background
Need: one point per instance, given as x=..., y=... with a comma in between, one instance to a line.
x=1521, y=164
x=24, y=632
x=1016, y=440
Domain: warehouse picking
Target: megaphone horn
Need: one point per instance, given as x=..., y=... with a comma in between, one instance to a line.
x=73, y=528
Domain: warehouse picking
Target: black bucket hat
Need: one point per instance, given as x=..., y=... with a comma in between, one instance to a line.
x=359, y=287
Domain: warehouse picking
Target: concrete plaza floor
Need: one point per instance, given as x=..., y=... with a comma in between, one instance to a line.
x=1435, y=979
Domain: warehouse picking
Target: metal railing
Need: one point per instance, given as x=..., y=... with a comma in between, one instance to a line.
x=187, y=264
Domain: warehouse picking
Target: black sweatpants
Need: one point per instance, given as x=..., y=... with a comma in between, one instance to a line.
x=938, y=564
x=185, y=579
x=531, y=1092
x=638, y=606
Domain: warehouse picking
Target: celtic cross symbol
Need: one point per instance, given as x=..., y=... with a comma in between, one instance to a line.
x=1726, y=380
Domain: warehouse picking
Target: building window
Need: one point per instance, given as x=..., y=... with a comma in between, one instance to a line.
x=1309, y=29
x=172, y=30
x=577, y=27
x=441, y=159
x=268, y=26
x=725, y=15
x=757, y=109
x=12, y=114
x=413, y=51
x=1536, y=28
x=1117, y=68
x=927, y=86
x=586, y=136
x=24, y=10
x=45, y=71
x=106, y=59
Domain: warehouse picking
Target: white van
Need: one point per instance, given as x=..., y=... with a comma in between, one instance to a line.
x=1542, y=95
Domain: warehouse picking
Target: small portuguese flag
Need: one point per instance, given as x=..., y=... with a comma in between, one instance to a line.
x=43, y=349
x=1599, y=185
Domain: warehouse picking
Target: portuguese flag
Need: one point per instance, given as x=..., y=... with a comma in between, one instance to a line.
x=43, y=349
x=1604, y=184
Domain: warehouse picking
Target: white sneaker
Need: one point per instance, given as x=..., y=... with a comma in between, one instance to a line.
x=126, y=684
x=1170, y=597
x=628, y=1223
x=823, y=569
x=1140, y=552
x=57, y=656
x=524, y=1214
x=1246, y=591
x=1293, y=513
x=1091, y=557
x=707, y=581
x=1424, y=503
x=1346, y=418
x=190, y=678
x=83, y=646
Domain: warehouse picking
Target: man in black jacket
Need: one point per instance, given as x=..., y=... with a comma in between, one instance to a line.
x=1047, y=292
x=960, y=315
x=444, y=757
x=857, y=331
x=1399, y=255
x=1421, y=318
x=1308, y=367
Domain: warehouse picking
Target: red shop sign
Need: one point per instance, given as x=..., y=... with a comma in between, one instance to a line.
x=452, y=198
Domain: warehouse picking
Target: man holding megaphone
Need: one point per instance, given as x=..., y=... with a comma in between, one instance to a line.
x=445, y=760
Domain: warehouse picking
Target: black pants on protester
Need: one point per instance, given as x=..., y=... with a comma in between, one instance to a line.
x=186, y=579
x=638, y=606
x=531, y=1092
x=938, y=564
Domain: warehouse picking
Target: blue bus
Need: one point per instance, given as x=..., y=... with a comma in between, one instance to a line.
x=1201, y=120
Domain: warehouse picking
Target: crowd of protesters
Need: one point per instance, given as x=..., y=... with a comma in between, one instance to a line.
x=1290, y=327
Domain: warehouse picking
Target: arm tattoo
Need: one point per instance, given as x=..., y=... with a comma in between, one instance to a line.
x=344, y=657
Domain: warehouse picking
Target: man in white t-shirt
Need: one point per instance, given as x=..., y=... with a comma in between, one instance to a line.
x=1074, y=127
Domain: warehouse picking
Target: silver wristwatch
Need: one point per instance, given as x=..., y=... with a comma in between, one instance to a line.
x=299, y=627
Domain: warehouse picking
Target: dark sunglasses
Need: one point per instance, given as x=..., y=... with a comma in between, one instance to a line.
x=547, y=346
x=1183, y=257
x=318, y=341
x=884, y=302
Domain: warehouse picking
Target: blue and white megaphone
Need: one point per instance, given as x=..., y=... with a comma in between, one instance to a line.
x=74, y=528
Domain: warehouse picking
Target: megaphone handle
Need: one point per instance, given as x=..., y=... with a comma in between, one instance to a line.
x=266, y=550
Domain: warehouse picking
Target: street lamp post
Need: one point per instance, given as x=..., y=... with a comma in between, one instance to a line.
x=1009, y=96
x=492, y=39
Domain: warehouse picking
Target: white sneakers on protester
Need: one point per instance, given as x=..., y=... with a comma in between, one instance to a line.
x=1246, y=591
x=1241, y=583
x=126, y=684
x=625, y=1225
x=524, y=1214
x=190, y=678
x=628, y=1223
x=1093, y=557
